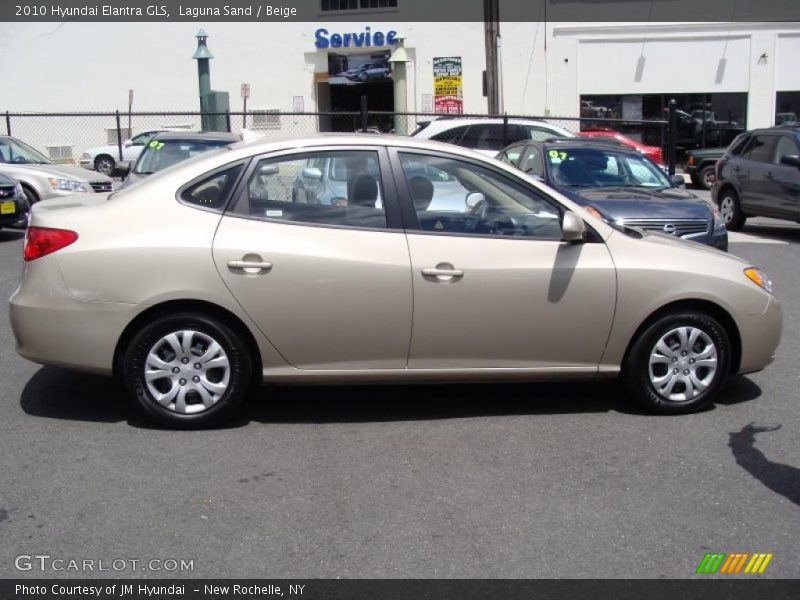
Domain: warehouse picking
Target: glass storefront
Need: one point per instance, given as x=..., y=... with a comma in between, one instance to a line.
x=787, y=107
x=704, y=120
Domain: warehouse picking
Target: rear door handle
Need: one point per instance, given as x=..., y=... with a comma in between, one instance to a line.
x=249, y=264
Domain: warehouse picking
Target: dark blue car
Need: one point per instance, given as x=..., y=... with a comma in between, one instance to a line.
x=621, y=186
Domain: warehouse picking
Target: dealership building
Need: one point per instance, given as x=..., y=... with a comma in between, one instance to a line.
x=740, y=73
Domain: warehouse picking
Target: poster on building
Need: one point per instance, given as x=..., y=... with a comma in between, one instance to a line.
x=447, y=85
x=355, y=69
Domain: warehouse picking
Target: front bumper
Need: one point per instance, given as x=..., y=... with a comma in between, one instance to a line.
x=760, y=336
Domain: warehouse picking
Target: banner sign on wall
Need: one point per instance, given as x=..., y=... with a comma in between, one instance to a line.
x=447, y=89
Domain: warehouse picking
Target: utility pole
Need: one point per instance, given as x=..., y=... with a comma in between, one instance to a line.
x=492, y=83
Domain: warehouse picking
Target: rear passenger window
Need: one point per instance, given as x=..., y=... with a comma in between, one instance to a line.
x=760, y=149
x=212, y=192
x=451, y=136
x=739, y=145
x=341, y=188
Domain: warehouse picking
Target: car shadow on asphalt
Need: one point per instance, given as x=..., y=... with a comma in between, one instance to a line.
x=57, y=393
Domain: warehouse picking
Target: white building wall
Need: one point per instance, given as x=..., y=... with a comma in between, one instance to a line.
x=546, y=66
x=786, y=55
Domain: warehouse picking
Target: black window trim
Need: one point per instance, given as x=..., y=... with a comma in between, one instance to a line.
x=239, y=200
x=409, y=213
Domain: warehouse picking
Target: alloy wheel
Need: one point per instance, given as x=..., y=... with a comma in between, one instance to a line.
x=683, y=364
x=187, y=371
x=727, y=208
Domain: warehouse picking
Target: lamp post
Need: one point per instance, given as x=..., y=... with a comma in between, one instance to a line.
x=203, y=55
x=398, y=60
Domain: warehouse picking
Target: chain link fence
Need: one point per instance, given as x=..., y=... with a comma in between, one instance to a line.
x=66, y=137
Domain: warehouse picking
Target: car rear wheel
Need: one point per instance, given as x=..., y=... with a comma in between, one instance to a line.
x=707, y=177
x=731, y=210
x=678, y=364
x=187, y=370
x=105, y=164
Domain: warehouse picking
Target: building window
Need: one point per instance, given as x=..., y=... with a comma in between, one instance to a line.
x=336, y=5
x=703, y=120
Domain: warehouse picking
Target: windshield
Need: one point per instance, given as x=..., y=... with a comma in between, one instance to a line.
x=14, y=151
x=594, y=167
x=159, y=155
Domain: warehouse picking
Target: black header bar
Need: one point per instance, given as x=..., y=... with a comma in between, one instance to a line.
x=445, y=11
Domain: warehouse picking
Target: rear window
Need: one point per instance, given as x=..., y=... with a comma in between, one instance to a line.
x=160, y=154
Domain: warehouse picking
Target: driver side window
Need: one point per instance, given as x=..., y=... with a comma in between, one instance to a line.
x=475, y=200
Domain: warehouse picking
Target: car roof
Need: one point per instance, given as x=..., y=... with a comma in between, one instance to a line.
x=595, y=144
x=192, y=136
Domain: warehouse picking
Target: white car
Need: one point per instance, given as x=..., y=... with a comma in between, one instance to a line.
x=106, y=160
x=487, y=136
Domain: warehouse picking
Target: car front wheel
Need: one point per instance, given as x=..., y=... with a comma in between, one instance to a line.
x=678, y=364
x=187, y=370
x=707, y=177
x=731, y=210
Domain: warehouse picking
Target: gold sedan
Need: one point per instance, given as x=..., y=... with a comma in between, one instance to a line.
x=374, y=258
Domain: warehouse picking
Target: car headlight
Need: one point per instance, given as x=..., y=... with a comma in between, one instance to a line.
x=86, y=156
x=760, y=278
x=719, y=220
x=67, y=185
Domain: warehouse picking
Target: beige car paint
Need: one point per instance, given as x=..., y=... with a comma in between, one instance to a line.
x=142, y=247
x=334, y=298
x=525, y=300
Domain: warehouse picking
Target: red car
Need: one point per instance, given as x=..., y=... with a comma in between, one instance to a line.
x=654, y=153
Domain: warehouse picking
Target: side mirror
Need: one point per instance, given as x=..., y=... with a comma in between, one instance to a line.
x=128, y=144
x=312, y=173
x=473, y=199
x=573, y=229
x=677, y=181
x=793, y=160
x=268, y=170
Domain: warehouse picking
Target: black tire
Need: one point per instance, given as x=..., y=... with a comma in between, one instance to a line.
x=240, y=372
x=706, y=177
x=731, y=209
x=105, y=164
x=30, y=195
x=636, y=372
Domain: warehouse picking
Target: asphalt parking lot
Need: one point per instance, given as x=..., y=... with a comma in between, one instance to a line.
x=445, y=481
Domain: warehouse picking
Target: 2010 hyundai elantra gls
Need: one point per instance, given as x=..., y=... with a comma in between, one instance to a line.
x=238, y=266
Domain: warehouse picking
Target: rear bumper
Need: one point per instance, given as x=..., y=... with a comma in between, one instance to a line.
x=53, y=328
x=761, y=335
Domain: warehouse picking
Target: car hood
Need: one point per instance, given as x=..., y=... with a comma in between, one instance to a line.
x=640, y=203
x=66, y=172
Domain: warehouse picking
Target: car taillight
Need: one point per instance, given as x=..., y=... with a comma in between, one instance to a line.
x=41, y=241
x=716, y=168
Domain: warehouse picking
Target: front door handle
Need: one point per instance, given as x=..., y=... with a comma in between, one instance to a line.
x=434, y=272
x=249, y=265
x=443, y=272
